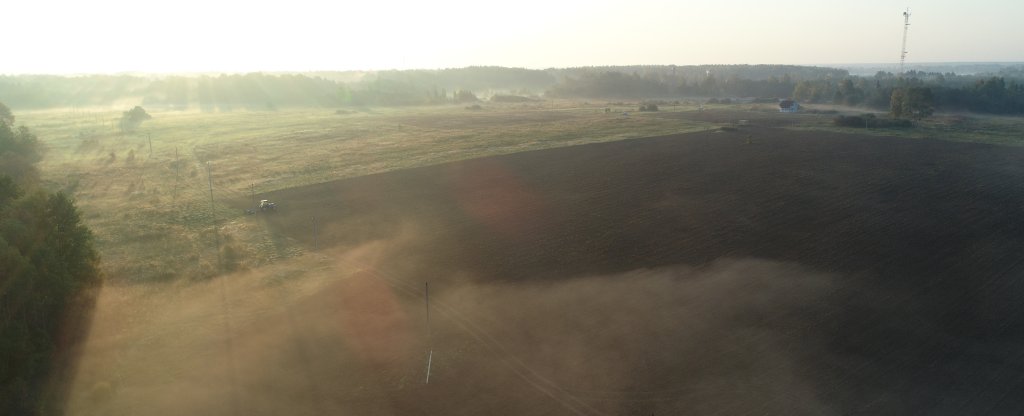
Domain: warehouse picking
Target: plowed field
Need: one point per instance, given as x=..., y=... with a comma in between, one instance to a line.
x=754, y=271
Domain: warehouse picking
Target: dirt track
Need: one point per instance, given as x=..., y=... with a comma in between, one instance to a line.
x=802, y=273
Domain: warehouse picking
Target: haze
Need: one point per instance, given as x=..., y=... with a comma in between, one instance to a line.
x=190, y=35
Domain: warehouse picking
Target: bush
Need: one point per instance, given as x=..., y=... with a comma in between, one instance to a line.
x=892, y=122
x=231, y=257
x=648, y=107
x=131, y=119
x=510, y=99
x=465, y=96
x=850, y=121
x=870, y=120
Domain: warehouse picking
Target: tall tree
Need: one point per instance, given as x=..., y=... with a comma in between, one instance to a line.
x=46, y=260
x=19, y=150
x=912, y=102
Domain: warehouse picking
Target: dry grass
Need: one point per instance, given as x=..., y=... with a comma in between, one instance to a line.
x=152, y=215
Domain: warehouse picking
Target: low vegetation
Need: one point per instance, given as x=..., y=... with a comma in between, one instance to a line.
x=150, y=205
x=132, y=119
x=869, y=120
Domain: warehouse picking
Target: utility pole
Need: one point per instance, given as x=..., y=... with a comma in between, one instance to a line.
x=314, y=233
x=213, y=215
x=426, y=297
x=906, y=27
x=430, y=355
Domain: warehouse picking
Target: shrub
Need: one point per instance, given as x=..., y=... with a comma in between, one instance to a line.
x=850, y=121
x=500, y=98
x=465, y=96
x=870, y=120
x=131, y=119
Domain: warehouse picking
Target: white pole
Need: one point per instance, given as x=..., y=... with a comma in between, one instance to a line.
x=430, y=355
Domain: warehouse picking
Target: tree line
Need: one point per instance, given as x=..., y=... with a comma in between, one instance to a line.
x=1001, y=93
x=259, y=91
x=947, y=92
x=47, y=268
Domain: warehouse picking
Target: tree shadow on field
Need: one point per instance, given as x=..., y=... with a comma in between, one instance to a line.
x=72, y=335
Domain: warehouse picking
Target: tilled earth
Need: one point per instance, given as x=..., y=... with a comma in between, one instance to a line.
x=758, y=270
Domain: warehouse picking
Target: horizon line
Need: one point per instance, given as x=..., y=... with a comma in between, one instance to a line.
x=836, y=65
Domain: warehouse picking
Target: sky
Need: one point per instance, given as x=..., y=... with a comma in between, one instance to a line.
x=101, y=36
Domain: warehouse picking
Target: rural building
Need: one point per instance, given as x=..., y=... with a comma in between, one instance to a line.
x=788, y=106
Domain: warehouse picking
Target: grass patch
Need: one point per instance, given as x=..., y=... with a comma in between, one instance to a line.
x=999, y=130
x=147, y=198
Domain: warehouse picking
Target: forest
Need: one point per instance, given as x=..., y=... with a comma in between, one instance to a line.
x=47, y=268
x=995, y=93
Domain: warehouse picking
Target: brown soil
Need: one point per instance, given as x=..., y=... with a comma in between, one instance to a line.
x=799, y=273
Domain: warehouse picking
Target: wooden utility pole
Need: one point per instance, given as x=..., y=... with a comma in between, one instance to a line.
x=213, y=215
x=426, y=297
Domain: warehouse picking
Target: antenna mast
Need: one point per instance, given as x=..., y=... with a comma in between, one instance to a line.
x=906, y=27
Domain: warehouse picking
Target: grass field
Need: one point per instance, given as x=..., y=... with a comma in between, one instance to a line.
x=151, y=211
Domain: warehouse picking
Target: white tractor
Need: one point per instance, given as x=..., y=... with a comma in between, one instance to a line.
x=266, y=205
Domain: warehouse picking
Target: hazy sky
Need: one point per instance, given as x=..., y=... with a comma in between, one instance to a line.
x=297, y=35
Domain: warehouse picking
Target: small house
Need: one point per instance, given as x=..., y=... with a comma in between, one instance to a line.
x=788, y=106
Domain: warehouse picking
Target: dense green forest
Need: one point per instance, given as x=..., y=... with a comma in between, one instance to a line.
x=950, y=92
x=1001, y=93
x=47, y=267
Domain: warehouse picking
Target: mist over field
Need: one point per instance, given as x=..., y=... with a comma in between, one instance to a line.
x=655, y=339
x=334, y=338
x=551, y=294
x=582, y=258
x=540, y=208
